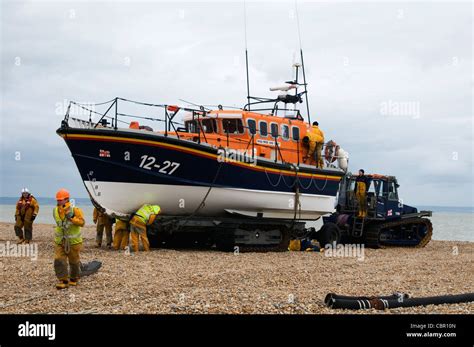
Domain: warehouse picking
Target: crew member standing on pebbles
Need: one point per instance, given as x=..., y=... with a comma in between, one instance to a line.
x=27, y=209
x=103, y=221
x=143, y=217
x=68, y=240
x=122, y=234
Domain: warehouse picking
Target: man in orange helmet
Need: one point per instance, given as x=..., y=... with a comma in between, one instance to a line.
x=68, y=240
x=27, y=209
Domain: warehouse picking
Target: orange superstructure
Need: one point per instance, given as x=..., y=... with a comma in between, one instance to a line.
x=251, y=133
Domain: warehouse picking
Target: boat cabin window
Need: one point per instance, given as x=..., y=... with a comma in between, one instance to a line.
x=295, y=131
x=263, y=128
x=252, y=124
x=207, y=126
x=191, y=126
x=285, y=132
x=233, y=126
x=274, y=129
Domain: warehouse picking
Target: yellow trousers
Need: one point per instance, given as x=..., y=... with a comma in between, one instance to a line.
x=362, y=200
x=100, y=233
x=137, y=233
x=61, y=262
x=314, y=153
x=121, y=239
x=24, y=224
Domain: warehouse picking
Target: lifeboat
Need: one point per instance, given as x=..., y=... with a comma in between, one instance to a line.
x=203, y=162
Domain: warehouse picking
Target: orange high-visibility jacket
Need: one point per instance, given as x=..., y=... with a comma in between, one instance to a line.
x=315, y=134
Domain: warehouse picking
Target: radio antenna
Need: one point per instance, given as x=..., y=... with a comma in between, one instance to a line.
x=302, y=63
x=246, y=56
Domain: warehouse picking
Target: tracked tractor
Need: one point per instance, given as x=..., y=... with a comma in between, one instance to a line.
x=389, y=222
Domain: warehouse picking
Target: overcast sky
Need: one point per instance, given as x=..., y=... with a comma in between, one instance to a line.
x=391, y=83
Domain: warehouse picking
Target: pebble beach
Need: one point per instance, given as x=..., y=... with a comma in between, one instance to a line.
x=184, y=281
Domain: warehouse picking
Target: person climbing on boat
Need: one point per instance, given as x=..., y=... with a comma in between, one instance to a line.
x=143, y=217
x=361, y=188
x=26, y=210
x=316, y=141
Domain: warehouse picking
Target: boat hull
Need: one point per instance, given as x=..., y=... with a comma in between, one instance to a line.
x=124, y=169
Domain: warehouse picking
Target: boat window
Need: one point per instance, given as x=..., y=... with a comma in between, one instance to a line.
x=263, y=128
x=233, y=126
x=252, y=126
x=274, y=129
x=209, y=125
x=285, y=132
x=295, y=133
x=191, y=126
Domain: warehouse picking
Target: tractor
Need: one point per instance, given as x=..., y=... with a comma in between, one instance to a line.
x=388, y=222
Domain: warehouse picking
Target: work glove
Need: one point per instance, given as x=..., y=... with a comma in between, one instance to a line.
x=33, y=217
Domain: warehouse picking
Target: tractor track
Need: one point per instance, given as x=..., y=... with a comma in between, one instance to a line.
x=372, y=238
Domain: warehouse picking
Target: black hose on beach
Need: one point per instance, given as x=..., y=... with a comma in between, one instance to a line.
x=394, y=301
x=333, y=296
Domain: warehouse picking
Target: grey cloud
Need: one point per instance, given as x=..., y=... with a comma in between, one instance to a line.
x=357, y=55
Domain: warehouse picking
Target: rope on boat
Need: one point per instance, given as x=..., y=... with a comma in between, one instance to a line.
x=269, y=181
x=203, y=201
x=324, y=186
x=142, y=103
x=92, y=104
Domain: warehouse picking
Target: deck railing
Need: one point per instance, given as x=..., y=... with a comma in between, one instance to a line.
x=115, y=117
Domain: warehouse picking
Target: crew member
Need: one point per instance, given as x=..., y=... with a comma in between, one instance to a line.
x=143, y=217
x=68, y=240
x=316, y=141
x=361, y=188
x=122, y=234
x=305, y=244
x=27, y=209
x=103, y=221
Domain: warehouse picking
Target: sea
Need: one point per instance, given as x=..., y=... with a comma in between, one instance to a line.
x=449, y=223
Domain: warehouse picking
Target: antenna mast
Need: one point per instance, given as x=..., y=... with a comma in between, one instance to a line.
x=246, y=56
x=302, y=63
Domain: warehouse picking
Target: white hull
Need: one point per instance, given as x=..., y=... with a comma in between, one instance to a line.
x=126, y=198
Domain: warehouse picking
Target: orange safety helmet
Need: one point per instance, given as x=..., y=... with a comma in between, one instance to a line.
x=62, y=194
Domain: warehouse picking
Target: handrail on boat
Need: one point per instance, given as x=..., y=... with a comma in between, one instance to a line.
x=170, y=111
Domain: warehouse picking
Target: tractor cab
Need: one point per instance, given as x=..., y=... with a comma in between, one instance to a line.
x=382, y=197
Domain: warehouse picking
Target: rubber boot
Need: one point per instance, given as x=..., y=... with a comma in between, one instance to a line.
x=63, y=284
